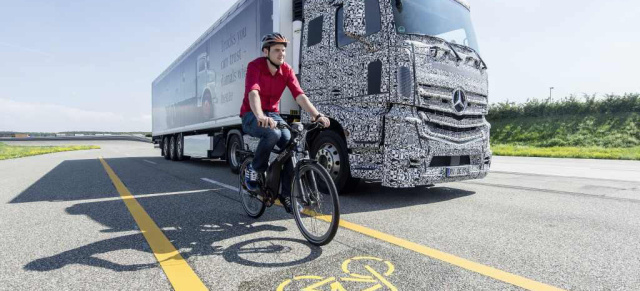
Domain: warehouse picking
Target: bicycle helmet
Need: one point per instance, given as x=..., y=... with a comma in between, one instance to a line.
x=272, y=39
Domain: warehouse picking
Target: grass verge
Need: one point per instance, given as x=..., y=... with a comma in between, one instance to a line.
x=631, y=153
x=12, y=152
x=620, y=130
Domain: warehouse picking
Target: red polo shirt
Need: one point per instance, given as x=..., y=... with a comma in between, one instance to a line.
x=270, y=86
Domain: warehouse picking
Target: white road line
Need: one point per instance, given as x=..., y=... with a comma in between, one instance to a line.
x=220, y=184
x=150, y=162
x=145, y=195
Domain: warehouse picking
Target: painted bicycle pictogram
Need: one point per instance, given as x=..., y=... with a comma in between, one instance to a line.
x=361, y=273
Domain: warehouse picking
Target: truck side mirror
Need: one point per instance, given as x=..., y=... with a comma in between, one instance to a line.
x=354, y=23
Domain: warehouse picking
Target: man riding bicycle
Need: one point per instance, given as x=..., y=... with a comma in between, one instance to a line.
x=265, y=81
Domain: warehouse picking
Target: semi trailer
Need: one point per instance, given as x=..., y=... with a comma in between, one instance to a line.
x=402, y=81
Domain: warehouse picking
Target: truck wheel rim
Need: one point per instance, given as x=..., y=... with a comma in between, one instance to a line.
x=178, y=150
x=234, y=154
x=329, y=157
x=173, y=148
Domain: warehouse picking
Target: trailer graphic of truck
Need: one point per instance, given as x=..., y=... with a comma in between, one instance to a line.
x=402, y=81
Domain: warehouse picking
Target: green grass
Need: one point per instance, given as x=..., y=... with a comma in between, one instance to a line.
x=594, y=128
x=620, y=130
x=632, y=153
x=12, y=152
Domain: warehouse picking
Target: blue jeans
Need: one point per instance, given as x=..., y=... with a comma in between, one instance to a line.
x=269, y=138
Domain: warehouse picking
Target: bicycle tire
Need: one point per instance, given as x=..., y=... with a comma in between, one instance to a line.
x=256, y=209
x=310, y=208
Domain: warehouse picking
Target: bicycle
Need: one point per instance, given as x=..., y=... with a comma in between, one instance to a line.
x=312, y=191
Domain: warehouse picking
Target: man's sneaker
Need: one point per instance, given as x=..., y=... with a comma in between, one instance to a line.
x=251, y=179
x=286, y=202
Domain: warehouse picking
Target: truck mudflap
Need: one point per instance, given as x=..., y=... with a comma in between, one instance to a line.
x=415, y=156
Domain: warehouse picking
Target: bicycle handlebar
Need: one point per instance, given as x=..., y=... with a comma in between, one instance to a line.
x=307, y=126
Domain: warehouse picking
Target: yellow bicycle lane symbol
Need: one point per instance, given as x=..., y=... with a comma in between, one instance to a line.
x=372, y=279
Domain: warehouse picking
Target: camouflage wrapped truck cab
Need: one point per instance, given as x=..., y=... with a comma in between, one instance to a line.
x=409, y=100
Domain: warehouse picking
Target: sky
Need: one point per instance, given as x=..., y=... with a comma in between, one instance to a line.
x=88, y=64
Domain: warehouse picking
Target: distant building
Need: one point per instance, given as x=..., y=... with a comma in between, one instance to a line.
x=20, y=135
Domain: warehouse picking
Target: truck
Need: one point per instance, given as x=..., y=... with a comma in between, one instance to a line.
x=402, y=82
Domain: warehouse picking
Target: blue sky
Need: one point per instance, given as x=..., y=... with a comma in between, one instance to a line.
x=88, y=65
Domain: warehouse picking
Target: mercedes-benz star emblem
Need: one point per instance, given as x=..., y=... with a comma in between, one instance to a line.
x=459, y=100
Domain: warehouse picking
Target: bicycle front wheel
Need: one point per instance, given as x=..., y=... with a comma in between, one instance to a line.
x=315, y=204
x=252, y=205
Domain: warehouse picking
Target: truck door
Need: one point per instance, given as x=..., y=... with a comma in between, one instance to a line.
x=362, y=76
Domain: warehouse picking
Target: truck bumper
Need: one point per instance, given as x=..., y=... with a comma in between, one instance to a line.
x=416, y=156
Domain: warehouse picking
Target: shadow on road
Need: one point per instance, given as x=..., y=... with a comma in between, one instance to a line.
x=192, y=231
x=70, y=180
x=197, y=223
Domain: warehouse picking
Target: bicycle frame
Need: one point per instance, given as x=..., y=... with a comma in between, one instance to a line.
x=270, y=185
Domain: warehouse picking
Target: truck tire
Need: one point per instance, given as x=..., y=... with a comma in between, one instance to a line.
x=234, y=144
x=330, y=149
x=166, y=148
x=179, y=147
x=172, y=148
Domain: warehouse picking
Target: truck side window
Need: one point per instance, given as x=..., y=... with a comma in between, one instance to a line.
x=315, y=31
x=372, y=21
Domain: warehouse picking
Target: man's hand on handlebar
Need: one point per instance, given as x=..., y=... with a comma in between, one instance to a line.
x=324, y=121
x=266, y=121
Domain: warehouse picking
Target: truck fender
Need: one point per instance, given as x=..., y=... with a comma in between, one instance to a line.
x=232, y=132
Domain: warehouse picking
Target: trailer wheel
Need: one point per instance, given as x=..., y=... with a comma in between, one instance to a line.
x=234, y=144
x=330, y=150
x=179, y=147
x=165, y=148
x=172, y=148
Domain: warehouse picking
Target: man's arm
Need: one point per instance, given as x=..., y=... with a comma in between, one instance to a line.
x=256, y=108
x=304, y=102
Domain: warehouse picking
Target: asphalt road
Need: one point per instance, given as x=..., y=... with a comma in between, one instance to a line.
x=570, y=224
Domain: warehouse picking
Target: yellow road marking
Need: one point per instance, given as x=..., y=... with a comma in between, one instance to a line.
x=451, y=259
x=179, y=273
x=381, y=278
x=442, y=256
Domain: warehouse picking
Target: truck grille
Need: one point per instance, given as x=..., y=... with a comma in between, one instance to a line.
x=439, y=98
x=443, y=121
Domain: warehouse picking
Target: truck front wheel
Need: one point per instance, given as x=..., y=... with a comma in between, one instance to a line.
x=234, y=144
x=330, y=150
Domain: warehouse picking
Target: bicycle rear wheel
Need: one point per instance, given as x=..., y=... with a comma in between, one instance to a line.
x=315, y=204
x=252, y=205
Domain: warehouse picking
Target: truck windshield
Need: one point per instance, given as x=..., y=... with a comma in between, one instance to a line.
x=446, y=19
